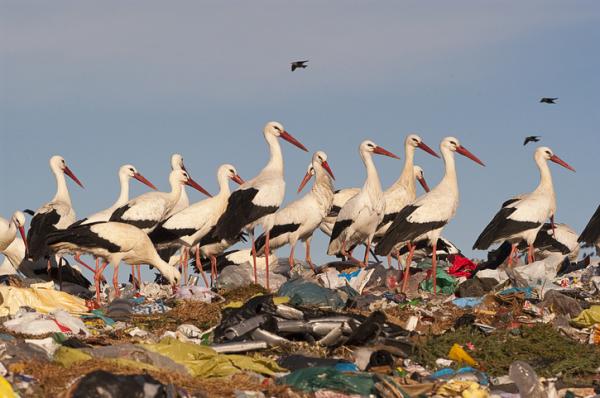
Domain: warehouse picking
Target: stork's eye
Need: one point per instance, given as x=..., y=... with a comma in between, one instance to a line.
x=548, y=153
x=370, y=145
x=277, y=128
x=132, y=170
x=232, y=171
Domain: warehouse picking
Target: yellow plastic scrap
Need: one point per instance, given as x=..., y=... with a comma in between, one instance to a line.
x=276, y=300
x=464, y=389
x=203, y=361
x=6, y=389
x=68, y=357
x=458, y=354
x=588, y=317
x=41, y=298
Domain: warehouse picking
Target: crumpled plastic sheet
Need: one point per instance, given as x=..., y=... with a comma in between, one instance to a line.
x=196, y=293
x=35, y=323
x=357, y=279
x=306, y=293
x=313, y=379
x=446, y=284
x=467, y=302
x=41, y=299
x=588, y=317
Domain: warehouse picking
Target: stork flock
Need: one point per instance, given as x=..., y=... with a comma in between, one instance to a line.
x=163, y=230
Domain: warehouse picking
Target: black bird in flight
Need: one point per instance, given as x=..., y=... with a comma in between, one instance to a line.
x=546, y=100
x=299, y=64
x=531, y=138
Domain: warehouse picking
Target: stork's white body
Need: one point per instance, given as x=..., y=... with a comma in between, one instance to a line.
x=8, y=232
x=14, y=254
x=340, y=198
x=360, y=216
x=114, y=242
x=299, y=219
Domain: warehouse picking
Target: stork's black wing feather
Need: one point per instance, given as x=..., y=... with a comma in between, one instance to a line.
x=591, y=232
x=544, y=240
x=276, y=231
x=334, y=211
x=41, y=225
x=403, y=230
x=338, y=227
x=160, y=234
x=239, y=213
x=83, y=237
x=501, y=228
x=117, y=216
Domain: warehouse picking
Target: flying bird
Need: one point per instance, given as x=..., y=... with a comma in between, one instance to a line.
x=546, y=100
x=299, y=64
x=531, y=138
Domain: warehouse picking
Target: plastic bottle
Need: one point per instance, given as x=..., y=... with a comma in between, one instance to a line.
x=526, y=380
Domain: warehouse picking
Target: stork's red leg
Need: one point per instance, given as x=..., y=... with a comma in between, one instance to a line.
x=308, y=259
x=213, y=269
x=407, y=263
x=434, y=267
x=133, y=281
x=291, y=257
x=511, y=256
x=530, y=255
x=349, y=255
x=139, y=274
x=78, y=259
x=267, y=253
x=199, y=266
x=389, y=260
x=254, y=256
x=116, y=281
x=367, y=250
x=97, y=276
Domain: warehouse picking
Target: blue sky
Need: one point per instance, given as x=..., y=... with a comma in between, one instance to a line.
x=111, y=82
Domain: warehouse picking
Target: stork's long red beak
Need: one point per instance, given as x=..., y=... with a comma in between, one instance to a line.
x=427, y=149
x=197, y=186
x=236, y=178
x=423, y=183
x=22, y=232
x=564, y=164
x=289, y=138
x=305, y=180
x=143, y=180
x=68, y=172
x=463, y=151
x=327, y=168
x=380, y=151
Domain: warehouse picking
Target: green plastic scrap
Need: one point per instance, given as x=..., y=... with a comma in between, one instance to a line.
x=313, y=379
x=446, y=284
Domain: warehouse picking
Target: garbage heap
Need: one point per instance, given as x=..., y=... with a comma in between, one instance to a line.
x=526, y=330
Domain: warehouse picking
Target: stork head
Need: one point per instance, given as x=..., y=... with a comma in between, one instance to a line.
x=58, y=165
x=129, y=171
x=228, y=171
x=546, y=153
x=368, y=146
x=177, y=162
x=452, y=144
x=417, y=142
x=420, y=176
x=320, y=158
x=276, y=129
x=181, y=177
x=18, y=219
x=310, y=172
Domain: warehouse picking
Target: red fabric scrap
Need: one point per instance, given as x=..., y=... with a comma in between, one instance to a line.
x=461, y=266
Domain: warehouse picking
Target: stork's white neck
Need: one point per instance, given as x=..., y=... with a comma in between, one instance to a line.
x=323, y=187
x=407, y=178
x=124, y=194
x=183, y=196
x=545, y=175
x=175, y=194
x=276, y=159
x=449, y=180
x=223, y=180
x=62, y=192
x=372, y=183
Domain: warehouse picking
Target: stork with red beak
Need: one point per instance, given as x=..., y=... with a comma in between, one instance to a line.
x=8, y=229
x=184, y=201
x=54, y=215
x=187, y=227
x=299, y=219
x=258, y=197
x=522, y=216
x=428, y=214
x=358, y=220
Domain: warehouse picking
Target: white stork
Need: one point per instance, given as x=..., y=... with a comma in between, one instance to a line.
x=150, y=208
x=55, y=215
x=113, y=242
x=550, y=239
x=360, y=216
x=341, y=196
x=428, y=214
x=591, y=233
x=8, y=229
x=299, y=219
x=183, y=202
x=521, y=217
x=259, y=196
x=187, y=227
x=126, y=172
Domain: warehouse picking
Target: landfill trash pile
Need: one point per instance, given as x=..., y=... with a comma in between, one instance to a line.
x=346, y=331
